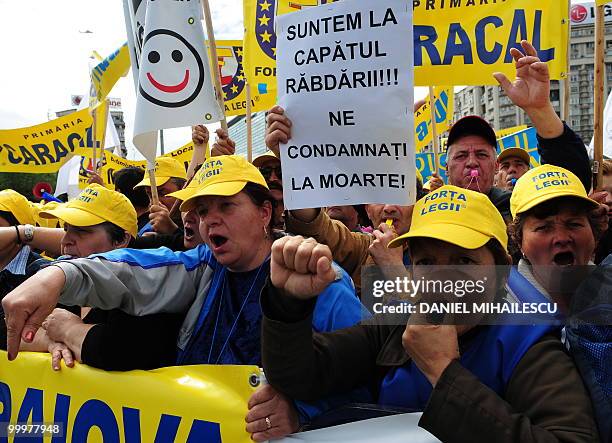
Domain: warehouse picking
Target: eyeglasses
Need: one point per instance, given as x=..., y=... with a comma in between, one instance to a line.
x=267, y=171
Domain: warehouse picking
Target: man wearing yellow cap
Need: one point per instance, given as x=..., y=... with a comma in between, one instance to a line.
x=170, y=176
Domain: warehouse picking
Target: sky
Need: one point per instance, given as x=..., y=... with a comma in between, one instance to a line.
x=45, y=54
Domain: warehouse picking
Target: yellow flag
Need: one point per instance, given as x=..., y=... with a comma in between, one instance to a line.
x=100, y=114
x=444, y=106
x=233, y=80
x=109, y=163
x=106, y=73
x=203, y=403
x=509, y=131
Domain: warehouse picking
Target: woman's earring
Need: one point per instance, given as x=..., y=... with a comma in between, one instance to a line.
x=265, y=231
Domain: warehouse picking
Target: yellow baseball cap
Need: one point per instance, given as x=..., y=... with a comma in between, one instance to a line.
x=94, y=205
x=15, y=203
x=165, y=169
x=222, y=175
x=544, y=183
x=455, y=215
x=37, y=208
x=268, y=155
x=514, y=152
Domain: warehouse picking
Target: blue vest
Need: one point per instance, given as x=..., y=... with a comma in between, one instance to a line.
x=491, y=355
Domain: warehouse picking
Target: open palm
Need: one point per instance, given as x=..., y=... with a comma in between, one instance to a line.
x=531, y=88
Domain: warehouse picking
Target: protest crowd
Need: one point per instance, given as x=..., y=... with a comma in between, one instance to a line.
x=207, y=266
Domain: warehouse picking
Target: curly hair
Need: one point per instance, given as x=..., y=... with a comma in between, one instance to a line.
x=550, y=208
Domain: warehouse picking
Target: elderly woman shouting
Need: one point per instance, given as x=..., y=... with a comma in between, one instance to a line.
x=486, y=383
x=557, y=227
x=216, y=285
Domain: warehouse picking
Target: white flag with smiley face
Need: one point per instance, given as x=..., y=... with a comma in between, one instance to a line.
x=174, y=81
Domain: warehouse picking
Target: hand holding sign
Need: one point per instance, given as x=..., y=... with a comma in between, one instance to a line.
x=224, y=145
x=278, y=129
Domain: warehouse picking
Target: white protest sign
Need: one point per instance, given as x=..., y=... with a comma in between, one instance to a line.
x=392, y=429
x=345, y=79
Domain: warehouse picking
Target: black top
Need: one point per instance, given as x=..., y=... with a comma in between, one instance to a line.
x=122, y=342
x=567, y=151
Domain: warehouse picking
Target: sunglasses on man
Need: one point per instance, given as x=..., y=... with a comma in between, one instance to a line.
x=267, y=171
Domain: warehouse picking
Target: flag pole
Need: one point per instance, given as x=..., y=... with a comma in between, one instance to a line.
x=249, y=123
x=107, y=119
x=434, y=129
x=214, y=61
x=154, y=195
x=599, y=98
x=565, y=111
x=94, y=138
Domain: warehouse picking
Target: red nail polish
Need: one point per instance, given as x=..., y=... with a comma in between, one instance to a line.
x=30, y=336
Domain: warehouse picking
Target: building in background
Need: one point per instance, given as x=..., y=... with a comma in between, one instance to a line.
x=116, y=113
x=491, y=103
x=238, y=133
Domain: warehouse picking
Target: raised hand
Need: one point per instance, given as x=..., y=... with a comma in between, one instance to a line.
x=301, y=267
x=278, y=129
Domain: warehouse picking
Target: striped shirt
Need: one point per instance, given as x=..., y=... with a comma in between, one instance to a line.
x=19, y=263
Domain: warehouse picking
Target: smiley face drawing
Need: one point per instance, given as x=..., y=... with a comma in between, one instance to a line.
x=173, y=69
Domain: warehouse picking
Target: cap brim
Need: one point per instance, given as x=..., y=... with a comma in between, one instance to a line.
x=183, y=194
x=514, y=152
x=73, y=216
x=461, y=236
x=549, y=196
x=257, y=162
x=21, y=216
x=146, y=182
x=472, y=125
x=222, y=189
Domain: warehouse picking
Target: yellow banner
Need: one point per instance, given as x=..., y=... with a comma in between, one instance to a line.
x=601, y=2
x=46, y=147
x=204, y=403
x=109, y=163
x=457, y=42
x=106, y=73
x=444, y=106
x=466, y=41
x=233, y=80
x=509, y=131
